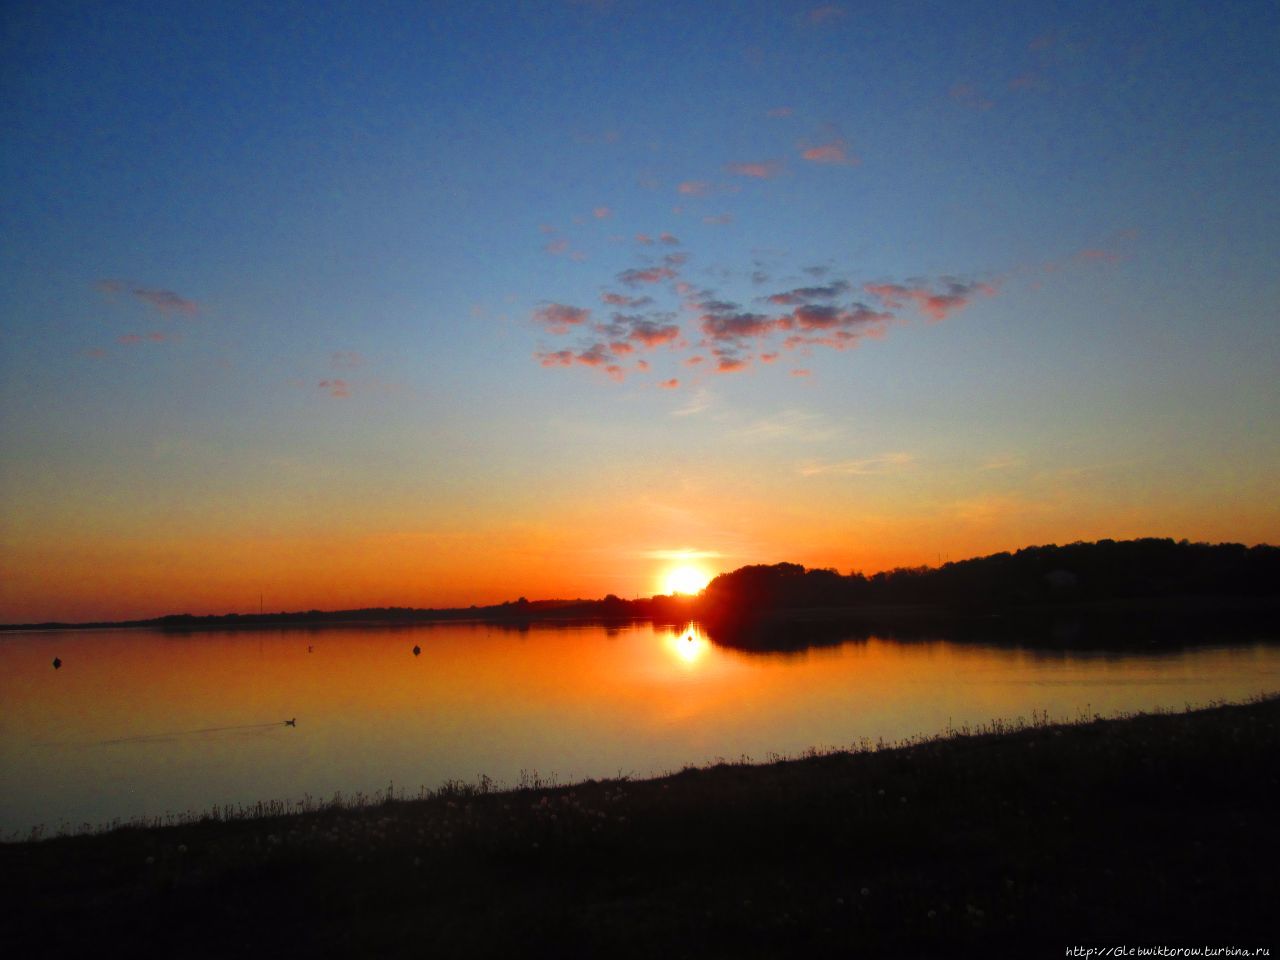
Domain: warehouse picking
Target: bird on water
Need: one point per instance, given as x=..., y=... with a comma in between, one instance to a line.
x=57, y=663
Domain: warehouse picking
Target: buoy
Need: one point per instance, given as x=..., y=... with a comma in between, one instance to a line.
x=57, y=663
x=291, y=723
x=416, y=649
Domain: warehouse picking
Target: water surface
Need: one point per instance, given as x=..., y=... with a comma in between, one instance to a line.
x=142, y=723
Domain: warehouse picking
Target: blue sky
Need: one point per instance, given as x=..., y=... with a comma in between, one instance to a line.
x=316, y=295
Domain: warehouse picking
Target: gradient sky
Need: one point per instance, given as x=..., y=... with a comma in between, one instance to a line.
x=445, y=303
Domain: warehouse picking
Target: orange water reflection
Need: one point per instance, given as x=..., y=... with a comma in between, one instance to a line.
x=139, y=722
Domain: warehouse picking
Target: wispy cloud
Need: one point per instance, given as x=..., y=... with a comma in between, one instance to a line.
x=777, y=113
x=164, y=301
x=834, y=152
x=718, y=220
x=701, y=401
x=622, y=300
x=808, y=294
x=802, y=425
x=694, y=188
x=602, y=213
x=868, y=466
x=760, y=169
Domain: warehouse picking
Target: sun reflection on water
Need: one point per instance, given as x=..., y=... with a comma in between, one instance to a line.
x=689, y=645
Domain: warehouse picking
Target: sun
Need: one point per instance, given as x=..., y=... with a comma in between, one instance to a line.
x=685, y=578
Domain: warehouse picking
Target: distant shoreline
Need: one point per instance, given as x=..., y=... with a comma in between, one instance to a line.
x=584, y=612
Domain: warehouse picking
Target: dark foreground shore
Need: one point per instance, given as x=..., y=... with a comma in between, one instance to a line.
x=1144, y=832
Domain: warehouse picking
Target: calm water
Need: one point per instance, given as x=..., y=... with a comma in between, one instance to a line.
x=140, y=723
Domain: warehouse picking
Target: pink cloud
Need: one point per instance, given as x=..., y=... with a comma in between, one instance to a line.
x=671, y=384
x=557, y=246
x=559, y=317
x=336, y=388
x=761, y=169
x=955, y=295
x=730, y=364
x=670, y=239
x=836, y=153
x=694, y=188
x=642, y=366
x=694, y=361
x=801, y=372
x=769, y=357
x=558, y=358
x=644, y=238
x=602, y=213
x=129, y=338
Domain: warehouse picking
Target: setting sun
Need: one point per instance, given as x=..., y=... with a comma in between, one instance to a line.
x=685, y=579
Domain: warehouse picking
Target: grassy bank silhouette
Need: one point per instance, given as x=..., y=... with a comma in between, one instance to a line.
x=1152, y=829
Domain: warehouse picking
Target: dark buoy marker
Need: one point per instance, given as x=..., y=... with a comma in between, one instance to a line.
x=291, y=723
x=57, y=663
x=416, y=649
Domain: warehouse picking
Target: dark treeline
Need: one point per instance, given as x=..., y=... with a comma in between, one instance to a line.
x=1078, y=572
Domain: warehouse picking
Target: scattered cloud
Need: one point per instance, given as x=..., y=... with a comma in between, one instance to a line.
x=777, y=113
x=559, y=317
x=935, y=305
x=800, y=372
x=670, y=239
x=671, y=384
x=602, y=213
x=638, y=276
x=694, y=188
x=760, y=169
x=808, y=294
x=556, y=246
x=340, y=389
x=719, y=220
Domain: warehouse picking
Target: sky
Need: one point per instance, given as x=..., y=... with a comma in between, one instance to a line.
x=324, y=305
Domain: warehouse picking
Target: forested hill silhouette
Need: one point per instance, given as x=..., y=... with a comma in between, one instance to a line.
x=1078, y=572
x=1109, y=593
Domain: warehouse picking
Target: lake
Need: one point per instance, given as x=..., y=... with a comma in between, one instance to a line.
x=140, y=723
